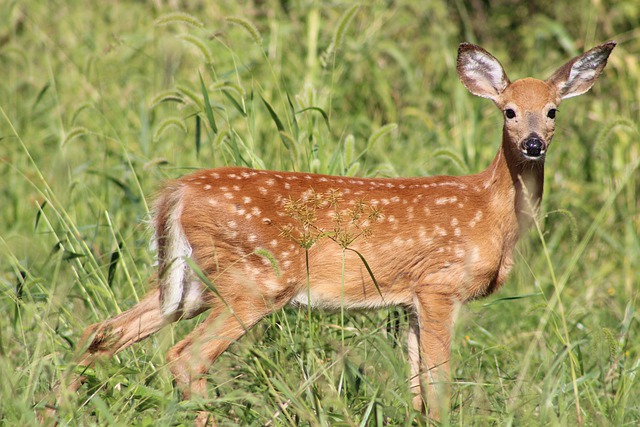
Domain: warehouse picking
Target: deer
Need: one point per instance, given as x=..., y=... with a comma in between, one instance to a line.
x=243, y=243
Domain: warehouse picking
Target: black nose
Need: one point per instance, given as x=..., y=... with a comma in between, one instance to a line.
x=533, y=146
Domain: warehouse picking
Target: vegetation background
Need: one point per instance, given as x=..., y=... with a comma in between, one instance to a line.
x=101, y=102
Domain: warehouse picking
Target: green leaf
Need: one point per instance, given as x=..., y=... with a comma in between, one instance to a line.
x=207, y=105
x=366, y=265
x=324, y=114
x=264, y=253
x=273, y=114
x=235, y=103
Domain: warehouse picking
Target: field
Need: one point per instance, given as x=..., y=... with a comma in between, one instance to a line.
x=100, y=104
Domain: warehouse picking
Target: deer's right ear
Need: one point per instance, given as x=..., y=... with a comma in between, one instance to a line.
x=481, y=72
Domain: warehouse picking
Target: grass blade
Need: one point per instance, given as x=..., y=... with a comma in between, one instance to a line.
x=366, y=265
x=207, y=105
x=235, y=103
x=273, y=114
x=324, y=114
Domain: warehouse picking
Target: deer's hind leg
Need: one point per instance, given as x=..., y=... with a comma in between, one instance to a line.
x=190, y=359
x=119, y=332
x=104, y=339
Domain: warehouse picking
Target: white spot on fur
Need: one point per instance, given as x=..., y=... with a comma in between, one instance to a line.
x=476, y=219
x=445, y=200
x=263, y=191
x=410, y=211
x=246, y=199
x=207, y=187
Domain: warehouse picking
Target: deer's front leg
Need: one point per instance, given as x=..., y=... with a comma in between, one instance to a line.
x=429, y=339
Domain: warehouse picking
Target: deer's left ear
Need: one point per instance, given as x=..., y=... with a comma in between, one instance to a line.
x=578, y=75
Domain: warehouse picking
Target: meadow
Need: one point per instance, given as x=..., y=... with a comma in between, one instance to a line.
x=100, y=103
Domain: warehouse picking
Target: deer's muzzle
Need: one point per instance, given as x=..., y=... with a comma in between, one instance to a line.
x=533, y=147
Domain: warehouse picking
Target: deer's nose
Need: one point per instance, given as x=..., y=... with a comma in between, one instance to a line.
x=533, y=146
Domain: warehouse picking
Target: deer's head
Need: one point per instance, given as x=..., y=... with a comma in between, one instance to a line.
x=529, y=105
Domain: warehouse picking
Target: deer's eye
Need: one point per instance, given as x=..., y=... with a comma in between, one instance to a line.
x=509, y=113
x=552, y=113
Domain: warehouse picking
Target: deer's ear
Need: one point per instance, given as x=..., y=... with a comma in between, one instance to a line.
x=481, y=72
x=578, y=75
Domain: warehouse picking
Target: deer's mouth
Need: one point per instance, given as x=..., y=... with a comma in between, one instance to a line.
x=533, y=147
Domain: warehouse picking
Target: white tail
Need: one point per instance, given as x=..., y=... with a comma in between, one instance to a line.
x=423, y=243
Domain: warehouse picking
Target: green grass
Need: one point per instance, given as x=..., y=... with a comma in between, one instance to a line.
x=100, y=104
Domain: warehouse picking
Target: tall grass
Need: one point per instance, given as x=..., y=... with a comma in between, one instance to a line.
x=100, y=104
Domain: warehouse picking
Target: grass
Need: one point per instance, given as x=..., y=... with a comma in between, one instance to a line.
x=100, y=104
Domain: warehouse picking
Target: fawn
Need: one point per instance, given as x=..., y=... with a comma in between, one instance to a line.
x=243, y=243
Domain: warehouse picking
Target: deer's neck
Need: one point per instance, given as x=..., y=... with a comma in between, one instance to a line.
x=522, y=180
